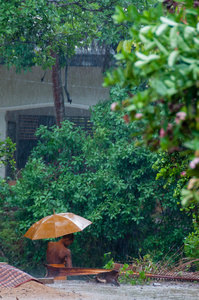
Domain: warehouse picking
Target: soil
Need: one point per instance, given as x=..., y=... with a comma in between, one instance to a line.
x=33, y=290
x=84, y=290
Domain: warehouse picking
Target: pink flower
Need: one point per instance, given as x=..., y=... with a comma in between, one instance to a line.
x=138, y=116
x=180, y=116
x=169, y=127
x=113, y=106
x=183, y=173
x=162, y=132
x=167, y=132
x=194, y=163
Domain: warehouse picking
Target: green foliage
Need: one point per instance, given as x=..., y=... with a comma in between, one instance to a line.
x=7, y=224
x=154, y=46
x=134, y=273
x=32, y=30
x=7, y=148
x=110, y=264
x=172, y=167
x=126, y=276
x=105, y=178
x=192, y=244
x=10, y=241
x=164, y=52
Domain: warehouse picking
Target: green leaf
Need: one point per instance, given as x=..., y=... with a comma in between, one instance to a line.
x=127, y=45
x=147, y=58
x=172, y=36
x=146, y=29
x=173, y=57
x=161, y=29
x=150, y=45
x=133, y=14
x=141, y=55
x=160, y=87
x=182, y=44
x=189, y=60
x=196, y=40
x=169, y=83
x=161, y=47
x=189, y=32
x=131, y=107
x=168, y=21
x=119, y=47
x=142, y=275
x=119, y=15
x=143, y=38
x=194, y=144
x=191, y=11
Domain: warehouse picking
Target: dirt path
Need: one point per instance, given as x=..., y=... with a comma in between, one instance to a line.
x=82, y=290
x=166, y=290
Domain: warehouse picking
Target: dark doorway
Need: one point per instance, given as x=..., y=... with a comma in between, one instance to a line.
x=26, y=138
x=27, y=125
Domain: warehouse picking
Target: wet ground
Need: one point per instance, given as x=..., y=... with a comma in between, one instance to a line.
x=166, y=290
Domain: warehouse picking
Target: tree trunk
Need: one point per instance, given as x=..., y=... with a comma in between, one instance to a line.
x=58, y=91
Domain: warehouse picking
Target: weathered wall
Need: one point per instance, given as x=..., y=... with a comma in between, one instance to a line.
x=27, y=90
x=25, y=93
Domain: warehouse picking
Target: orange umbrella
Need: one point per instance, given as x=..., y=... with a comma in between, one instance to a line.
x=56, y=225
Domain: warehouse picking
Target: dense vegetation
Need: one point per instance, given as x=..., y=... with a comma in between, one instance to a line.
x=110, y=177
x=102, y=177
x=162, y=50
x=46, y=33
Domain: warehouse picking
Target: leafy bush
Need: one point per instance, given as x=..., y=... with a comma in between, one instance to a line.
x=162, y=49
x=192, y=244
x=7, y=148
x=104, y=178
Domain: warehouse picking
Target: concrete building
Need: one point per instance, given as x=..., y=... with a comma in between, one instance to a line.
x=27, y=101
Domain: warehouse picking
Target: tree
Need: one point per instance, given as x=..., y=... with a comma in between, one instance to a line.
x=105, y=178
x=46, y=32
x=164, y=53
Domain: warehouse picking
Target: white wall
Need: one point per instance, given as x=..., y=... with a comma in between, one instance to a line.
x=26, y=89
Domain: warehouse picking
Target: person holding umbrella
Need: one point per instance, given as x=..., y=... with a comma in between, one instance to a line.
x=58, y=252
x=54, y=226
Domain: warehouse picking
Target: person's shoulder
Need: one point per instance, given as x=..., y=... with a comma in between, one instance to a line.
x=50, y=244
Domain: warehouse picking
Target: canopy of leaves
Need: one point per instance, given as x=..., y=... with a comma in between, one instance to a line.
x=31, y=30
x=105, y=178
x=7, y=148
x=163, y=51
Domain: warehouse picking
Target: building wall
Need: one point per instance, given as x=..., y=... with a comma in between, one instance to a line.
x=27, y=90
x=27, y=94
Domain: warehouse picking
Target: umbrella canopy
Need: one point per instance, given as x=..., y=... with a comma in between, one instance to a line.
x=56, y=225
